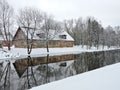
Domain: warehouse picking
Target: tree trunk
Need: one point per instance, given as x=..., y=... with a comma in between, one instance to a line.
x=9, y=45
x=47, y=45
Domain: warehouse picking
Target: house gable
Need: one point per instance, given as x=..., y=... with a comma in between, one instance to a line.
x=20, y=35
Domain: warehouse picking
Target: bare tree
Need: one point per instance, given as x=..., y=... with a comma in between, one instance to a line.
x=79, y=29
x=51, y=28
x=30, y=19
x=94, y=29
x=69, y=25
x=6, y=20
x=85, y=32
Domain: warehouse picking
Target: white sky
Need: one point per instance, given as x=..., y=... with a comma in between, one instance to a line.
x=106, y=11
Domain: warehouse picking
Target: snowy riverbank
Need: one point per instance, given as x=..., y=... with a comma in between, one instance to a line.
x=106, y=78
x=22, y=52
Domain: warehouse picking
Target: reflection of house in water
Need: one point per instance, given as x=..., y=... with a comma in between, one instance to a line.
x=22, y=64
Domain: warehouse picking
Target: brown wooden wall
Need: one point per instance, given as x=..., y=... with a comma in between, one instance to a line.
x=19, y=41
x=41, y=44
x=4, y=43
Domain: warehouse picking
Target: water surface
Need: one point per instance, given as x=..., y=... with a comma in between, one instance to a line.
x=29, y=72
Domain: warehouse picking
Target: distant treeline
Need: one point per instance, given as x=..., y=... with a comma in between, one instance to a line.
x=90, y=32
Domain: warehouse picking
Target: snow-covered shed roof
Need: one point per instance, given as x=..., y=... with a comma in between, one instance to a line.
x=53, y=35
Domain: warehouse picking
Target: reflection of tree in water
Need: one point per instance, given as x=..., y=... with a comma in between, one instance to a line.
x=1, y=66
x=5, y=77
x=51, y=71
x=47, y=72
x=78, y=66
x=32, y=75
x=37, y=75
x=29, y=79
x=92, y=60
x=111, y=57
x=82, y=63
x=44, y=72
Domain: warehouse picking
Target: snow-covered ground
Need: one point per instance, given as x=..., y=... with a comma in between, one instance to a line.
x=22, y=52
x=106, y=78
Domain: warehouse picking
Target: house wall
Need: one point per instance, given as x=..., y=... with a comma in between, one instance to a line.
x=41, y=44
x=4, y=43
x=19, y=41
x=61, y=43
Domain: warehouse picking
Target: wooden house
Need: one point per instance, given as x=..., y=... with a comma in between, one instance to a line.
x=61, y=39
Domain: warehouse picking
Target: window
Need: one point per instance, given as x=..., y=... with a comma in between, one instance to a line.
x=62, y=36
x=41, y=35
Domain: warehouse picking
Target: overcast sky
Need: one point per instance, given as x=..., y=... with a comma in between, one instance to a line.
x=106, y=11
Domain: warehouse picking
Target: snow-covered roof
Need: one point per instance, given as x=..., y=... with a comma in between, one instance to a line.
x=53, y=35
x=68, y=37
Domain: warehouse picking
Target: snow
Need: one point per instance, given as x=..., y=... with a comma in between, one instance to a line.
x=106, y=78
x=56, y=51
x=22, y=52
x=68, y=37
x=54, y=35
x=6, y=55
